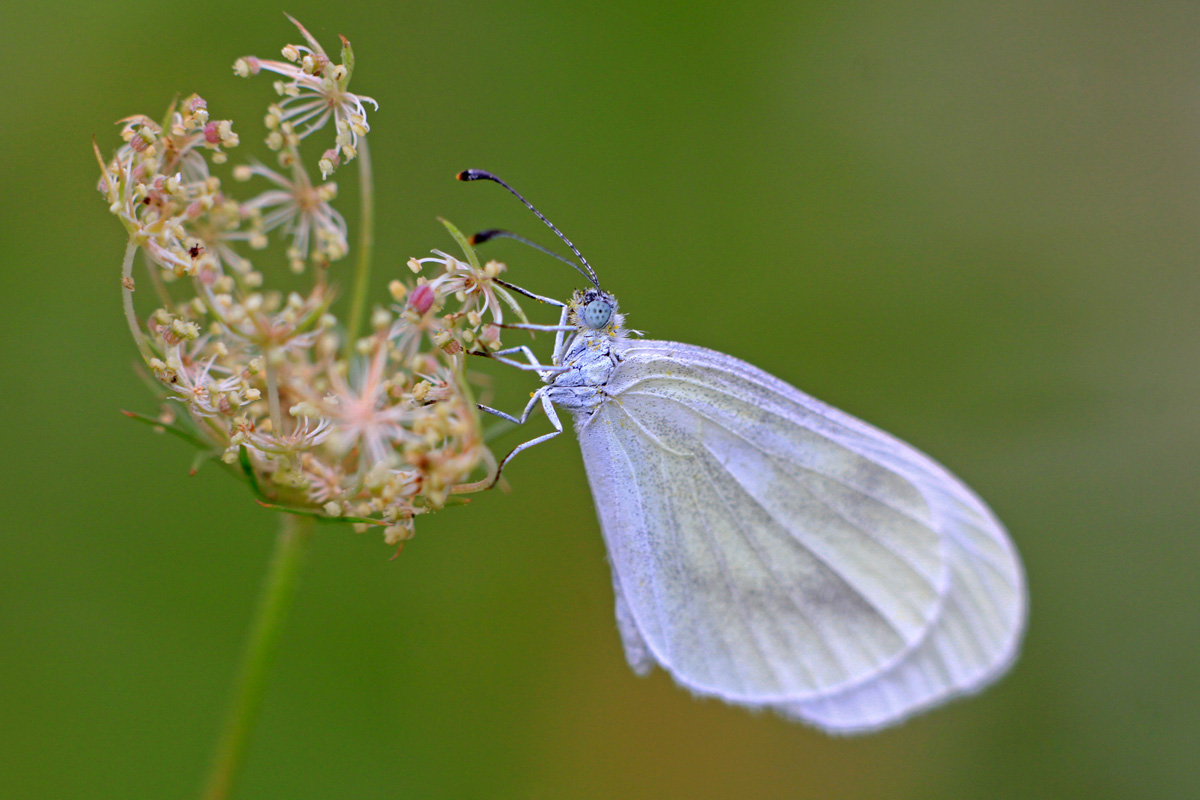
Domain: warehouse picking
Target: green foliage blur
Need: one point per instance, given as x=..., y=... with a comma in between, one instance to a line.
x=975, y=225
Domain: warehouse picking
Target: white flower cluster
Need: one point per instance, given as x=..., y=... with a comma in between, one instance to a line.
x=378, y=429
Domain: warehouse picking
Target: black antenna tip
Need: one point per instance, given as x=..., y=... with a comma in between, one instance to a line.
x=484, y=175
x=473, y=175
x=484, y=236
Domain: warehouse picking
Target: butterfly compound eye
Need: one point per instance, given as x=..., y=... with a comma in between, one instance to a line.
x=597, y=313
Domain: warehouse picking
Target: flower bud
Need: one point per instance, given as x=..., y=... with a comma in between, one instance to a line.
x=421, y=299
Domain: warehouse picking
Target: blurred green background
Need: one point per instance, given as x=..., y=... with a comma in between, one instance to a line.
x=976, y=225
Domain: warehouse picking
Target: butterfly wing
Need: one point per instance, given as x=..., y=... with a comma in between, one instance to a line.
x=973, y=641
x=773, y=551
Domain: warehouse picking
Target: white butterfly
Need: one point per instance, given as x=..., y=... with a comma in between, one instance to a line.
x=766, y=548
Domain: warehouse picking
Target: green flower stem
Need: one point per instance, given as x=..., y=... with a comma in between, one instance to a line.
x=366, y=246
x=273, y=393
x=279, y=588
x=127, y=298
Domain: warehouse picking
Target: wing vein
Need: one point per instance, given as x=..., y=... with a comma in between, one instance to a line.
x=844, y=483
x=818, y=409
x=787, y=592
x=878, y=541
x=677, y=550
x=979, y=555
x=828, y=565
x=650, y=435
x=723, y=565
x=782, y=459
x=642, y=516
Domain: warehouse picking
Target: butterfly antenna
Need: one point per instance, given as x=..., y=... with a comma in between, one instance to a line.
x=495, y=233
x=484, y=175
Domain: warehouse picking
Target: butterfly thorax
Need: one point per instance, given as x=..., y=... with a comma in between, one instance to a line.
x=590, y=353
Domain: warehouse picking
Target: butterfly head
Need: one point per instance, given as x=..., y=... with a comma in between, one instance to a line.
x=594, y=310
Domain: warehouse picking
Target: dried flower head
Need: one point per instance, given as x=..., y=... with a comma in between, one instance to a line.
x=376, y=430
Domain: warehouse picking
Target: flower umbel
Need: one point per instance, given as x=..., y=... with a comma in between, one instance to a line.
x=316, y=90
x=377, y=430
x=304, y=211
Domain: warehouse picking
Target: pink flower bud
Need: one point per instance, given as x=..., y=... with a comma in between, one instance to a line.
x=211, y=134
x=421, y=299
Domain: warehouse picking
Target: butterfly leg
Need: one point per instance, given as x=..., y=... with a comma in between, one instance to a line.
x=551, y=415
x=521, y=326
x=559, y=329
x=533, y=364
x=559, y=339
x=530, y=294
